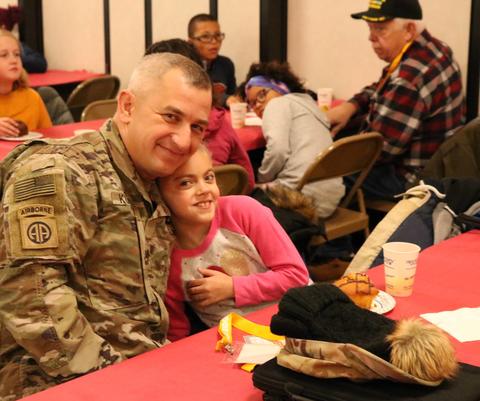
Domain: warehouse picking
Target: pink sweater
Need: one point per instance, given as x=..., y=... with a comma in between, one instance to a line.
x=222, y=140
x=248, y=243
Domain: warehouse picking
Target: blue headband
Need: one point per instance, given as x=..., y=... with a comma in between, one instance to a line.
x=265, y=82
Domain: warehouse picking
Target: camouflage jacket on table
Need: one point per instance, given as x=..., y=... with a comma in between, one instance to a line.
x=84, y=259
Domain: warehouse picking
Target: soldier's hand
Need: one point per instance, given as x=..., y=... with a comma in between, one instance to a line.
x=214, y=287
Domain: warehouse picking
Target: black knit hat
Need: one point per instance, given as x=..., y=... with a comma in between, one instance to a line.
x=384, y=10
x=323, y=312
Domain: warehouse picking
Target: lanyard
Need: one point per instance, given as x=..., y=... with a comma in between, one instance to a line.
x=393, y=66
x=241, y=323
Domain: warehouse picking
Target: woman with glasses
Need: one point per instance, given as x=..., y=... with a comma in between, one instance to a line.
x=295, y=130
x=205, y=36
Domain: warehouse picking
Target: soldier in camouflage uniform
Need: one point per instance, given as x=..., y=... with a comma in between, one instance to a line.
x=85, y=238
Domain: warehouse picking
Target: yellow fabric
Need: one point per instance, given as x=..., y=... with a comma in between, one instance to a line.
x=26, y=105
x=234, y=320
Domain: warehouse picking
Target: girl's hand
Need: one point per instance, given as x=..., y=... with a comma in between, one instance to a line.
x=214, y=287
x=8, y=127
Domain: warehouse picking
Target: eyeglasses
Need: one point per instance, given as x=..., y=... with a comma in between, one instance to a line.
x=209, y=38
x=259, y=98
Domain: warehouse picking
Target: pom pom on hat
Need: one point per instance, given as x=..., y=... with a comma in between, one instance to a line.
x=422, y=350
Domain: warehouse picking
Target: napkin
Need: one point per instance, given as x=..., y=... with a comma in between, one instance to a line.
x=257, y=350
x=463, y=323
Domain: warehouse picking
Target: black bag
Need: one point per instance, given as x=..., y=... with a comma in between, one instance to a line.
x=282, y=384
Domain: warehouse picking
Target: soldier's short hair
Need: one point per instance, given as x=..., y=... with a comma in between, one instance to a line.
x=154, y=66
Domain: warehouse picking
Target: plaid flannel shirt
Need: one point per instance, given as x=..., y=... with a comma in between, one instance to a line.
x=418, y=107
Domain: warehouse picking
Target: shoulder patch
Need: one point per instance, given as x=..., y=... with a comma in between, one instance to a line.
x=39, y=232
x=42, y=164
x=34, y=186
x=36, y=209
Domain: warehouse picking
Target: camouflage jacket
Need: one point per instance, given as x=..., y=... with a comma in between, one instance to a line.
x=84, y=260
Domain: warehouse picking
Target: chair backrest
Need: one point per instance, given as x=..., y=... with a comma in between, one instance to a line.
x=347, y=156
x=99, y=109
x=232, y=179
x=57, y=109
x=99, y=88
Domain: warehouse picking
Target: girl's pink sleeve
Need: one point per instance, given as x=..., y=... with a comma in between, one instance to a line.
x=286, y=267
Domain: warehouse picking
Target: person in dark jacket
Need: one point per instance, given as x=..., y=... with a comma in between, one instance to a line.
x=205, y=36
x=32, y=60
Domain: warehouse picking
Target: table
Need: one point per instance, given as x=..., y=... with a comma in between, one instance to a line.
x=60, y=77
x=190, y=369
x=447, y=278
x=250, y=137
x=57, y=131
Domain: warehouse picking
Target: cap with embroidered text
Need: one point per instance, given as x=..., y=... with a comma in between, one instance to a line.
x=384, y=10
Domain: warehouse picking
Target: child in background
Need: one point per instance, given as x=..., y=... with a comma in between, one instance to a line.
x=231, y=255
x=18, y=103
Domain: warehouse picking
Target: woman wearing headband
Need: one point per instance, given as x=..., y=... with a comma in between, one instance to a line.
x=295, y=130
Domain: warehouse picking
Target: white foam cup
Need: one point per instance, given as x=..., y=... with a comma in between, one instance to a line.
x=238, y=112
x=324, y=98
x=400, y=263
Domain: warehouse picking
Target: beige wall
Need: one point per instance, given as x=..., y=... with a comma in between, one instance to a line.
x=329, y=49
x=6, y=3
x=127, y=37
x=240, y=20
x=170, y=20
x=73, y=34
x=325, y=46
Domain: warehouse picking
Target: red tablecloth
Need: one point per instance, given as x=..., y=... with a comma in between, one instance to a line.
x=57, y=131
x=58, y=77
x=190, y=369
x=250, y=137
x=447, y=278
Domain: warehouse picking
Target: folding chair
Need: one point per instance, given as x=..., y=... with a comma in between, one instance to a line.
x=345, y=157
x=232, y=179
x=99, y=88
x=99, y=109
x=380, y=205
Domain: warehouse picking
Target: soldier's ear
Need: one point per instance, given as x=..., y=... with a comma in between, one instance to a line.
x=126, y=104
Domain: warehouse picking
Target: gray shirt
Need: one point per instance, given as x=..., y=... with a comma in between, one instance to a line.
x=296, y=131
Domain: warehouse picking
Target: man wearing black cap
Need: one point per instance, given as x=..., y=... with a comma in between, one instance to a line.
x=416, y=103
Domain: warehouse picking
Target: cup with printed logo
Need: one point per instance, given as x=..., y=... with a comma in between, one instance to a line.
x=400, y=263
x=238, y=112
x=324, y=98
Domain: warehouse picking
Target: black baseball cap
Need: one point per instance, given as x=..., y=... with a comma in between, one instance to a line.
x=384, y=10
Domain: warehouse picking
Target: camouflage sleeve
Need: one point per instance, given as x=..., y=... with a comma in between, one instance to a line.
x=48, y=214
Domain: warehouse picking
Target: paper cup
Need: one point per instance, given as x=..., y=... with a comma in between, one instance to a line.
x=237, y=113
x=324, y=98
x=400, y=262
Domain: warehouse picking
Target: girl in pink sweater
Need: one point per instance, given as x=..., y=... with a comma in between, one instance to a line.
x=230, y=255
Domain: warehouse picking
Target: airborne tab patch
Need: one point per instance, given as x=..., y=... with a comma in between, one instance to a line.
x=39, y=232
x=33, y=187
x=36, y=210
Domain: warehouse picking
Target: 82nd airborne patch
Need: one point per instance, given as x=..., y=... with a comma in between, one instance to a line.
x=38, y=227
